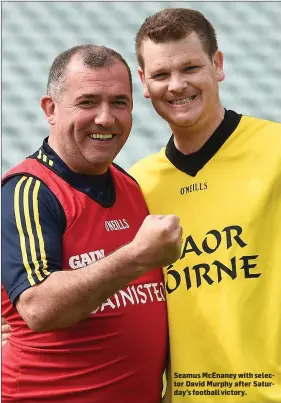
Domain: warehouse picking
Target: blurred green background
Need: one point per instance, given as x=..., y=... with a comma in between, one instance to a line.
x=34, y=33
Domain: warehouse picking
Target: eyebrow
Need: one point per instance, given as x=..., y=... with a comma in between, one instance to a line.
x=120, y=97
x=160, y=69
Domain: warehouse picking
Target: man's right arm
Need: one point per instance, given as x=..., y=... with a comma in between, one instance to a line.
x=62, y=298
x=66, y=297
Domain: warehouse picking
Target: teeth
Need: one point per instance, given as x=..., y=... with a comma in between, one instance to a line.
x=183, y=101
x=100, y=136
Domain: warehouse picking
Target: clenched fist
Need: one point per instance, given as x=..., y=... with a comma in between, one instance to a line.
x=158, y=241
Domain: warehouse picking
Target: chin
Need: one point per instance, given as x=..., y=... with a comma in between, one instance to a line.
x=184, y=122
x=98, y=161
x=180, y=118
x=102, y=161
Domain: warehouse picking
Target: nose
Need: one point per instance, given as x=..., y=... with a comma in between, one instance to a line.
x=177, y=83
x=104, y=117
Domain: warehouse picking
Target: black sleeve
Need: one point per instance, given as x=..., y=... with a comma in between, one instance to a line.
x=32, y=227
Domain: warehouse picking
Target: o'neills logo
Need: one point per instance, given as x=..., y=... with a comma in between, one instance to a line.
x=194, y=187
x=116, y=225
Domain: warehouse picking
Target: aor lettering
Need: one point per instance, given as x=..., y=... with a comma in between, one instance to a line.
x=207, y=274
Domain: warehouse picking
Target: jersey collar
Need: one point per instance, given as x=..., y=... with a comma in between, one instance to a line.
x=60, y=167
x=193, y=163
x=100, y=188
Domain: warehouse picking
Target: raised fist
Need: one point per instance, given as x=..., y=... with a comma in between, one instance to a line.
x=158, y=241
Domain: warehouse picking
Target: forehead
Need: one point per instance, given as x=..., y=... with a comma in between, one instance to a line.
x=111, y=81
x=157, y=55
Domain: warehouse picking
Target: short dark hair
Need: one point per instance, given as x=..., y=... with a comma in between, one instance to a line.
x=174, y=24
x=91, y=55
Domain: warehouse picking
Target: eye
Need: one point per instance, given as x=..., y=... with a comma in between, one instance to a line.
x=160, y=76
x=119, y=102
x=191, y=69
x=86, y=103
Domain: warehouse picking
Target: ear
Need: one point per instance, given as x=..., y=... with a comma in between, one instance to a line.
x=218, y=63
x=48, y=105
x=144, y=86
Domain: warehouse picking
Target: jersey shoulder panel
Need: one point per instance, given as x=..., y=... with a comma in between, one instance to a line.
x=33, y=223
x=261, y=136
x=125, y=173
x=262, y=127
x=150, y=173
x=143, y=169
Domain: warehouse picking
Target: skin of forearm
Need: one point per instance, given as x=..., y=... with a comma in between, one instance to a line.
x=66, y=297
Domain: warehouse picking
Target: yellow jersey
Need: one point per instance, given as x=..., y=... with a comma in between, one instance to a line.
x=224, y=292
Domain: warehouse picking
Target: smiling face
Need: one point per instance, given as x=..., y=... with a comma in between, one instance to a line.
x=182, y=81
x=92, y=119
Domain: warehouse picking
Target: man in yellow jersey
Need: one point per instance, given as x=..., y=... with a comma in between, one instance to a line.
x=221, y=173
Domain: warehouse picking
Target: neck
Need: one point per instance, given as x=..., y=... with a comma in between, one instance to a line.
x=74, y=164
x=190, y=139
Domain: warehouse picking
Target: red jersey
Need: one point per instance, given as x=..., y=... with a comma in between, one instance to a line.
x=117, y=354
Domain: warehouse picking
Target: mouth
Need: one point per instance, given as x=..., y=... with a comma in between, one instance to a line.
x=182, y=101
x=101, y=136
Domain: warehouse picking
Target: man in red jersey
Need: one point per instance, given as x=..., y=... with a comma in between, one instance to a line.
x=78, y=301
